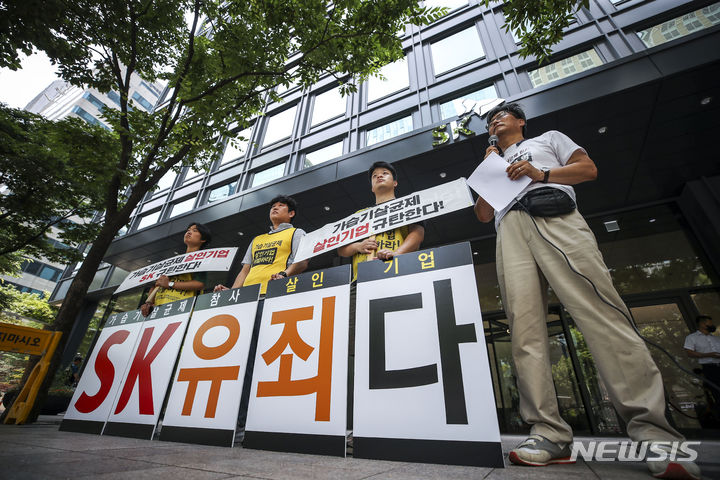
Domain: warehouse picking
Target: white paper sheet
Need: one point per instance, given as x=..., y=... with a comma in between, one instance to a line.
x=490, y=181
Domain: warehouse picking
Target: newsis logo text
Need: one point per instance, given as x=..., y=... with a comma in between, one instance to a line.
x=627, y=451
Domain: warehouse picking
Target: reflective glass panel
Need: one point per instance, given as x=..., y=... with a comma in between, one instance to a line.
x=279, y=126
x=455, y=50
x=681, y=26
x=466, y=102
x=396, y=78
x=182, y=207
x=148, y=220
x=221, y=192
x=328, y=105
x=324, y=154
x=236, y=147
x=264, y=176
x=167, y=180
x=565, y=68
x=389, y=130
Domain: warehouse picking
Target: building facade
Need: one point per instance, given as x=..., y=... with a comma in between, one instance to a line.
x=633, y=82
x=59, y=100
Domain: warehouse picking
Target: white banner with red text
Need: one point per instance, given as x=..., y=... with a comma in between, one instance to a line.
x=210, y=260
x=413, y=208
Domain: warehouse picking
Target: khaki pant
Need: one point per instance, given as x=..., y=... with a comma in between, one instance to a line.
x=526, y=264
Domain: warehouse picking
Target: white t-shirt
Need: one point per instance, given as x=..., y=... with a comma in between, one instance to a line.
x=552, y=149
x=701, y=343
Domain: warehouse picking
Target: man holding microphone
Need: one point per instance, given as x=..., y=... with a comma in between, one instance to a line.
x=542, y=240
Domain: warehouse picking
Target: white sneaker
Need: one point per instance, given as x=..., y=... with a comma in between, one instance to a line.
x=538, y=451
x=677, y=469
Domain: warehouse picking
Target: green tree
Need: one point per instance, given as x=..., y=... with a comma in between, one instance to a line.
x=540, y=24
x=49, y=171
x=222, y=67
x=28, y=306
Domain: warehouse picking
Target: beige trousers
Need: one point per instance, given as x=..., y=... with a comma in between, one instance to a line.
x=525, y=265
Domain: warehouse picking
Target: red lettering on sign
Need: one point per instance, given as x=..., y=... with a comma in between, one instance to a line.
x=105, y=372
x=140, y=370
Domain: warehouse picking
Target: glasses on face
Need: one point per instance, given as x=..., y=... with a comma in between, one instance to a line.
x=497, y=118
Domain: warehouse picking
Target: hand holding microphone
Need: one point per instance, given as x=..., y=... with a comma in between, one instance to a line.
x=493, y=141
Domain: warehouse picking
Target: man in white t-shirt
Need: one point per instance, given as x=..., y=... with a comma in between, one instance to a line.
x=539, y=235
x=705, y=346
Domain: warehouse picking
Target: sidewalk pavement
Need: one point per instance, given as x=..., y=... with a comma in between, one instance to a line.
x=40, y=451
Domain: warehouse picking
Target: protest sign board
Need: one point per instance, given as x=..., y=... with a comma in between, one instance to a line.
x=423, y=390
x=298, y=400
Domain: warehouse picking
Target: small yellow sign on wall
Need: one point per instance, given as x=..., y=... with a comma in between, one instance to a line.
x=14, y=338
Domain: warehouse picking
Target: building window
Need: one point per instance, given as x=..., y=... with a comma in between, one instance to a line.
x=328, y=105
x=396, y=79
x=148, y=220
x=466, y=102
x=151, y=88
x=50, y=273
x=82, y=113
x=94, y=100
x=569, y=66
x=167, y=180
x=236, y=148
x=324, y=154
x=182, y=207
x=279, y=126
x=113, y=95
x=456, y=50
x=681, y=26
x=267, y=175
x=221, y=192
x=141, y=100
x=389, y=130
x=293, y=83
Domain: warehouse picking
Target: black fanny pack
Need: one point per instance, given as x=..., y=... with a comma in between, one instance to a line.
x=546, y=202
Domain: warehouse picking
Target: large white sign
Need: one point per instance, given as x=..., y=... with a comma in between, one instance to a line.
x=423, y=390
x=210, y=260
x=137, y=407
x=205, y=395
x=412, y=208
x=103, y=374
x=298, y=399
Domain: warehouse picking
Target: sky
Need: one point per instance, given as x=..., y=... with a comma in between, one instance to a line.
x=17, y=88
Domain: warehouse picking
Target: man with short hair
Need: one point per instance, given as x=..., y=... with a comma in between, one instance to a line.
x=185, y=285
x=705, y=346
x=268, y=257
x=542, y=240
x=385, y=245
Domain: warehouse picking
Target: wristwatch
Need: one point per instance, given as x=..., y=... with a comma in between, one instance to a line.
x=171, y=284
x=546, y=172
x=282, y=274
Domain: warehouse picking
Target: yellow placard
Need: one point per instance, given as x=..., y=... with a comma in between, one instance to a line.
x=32, y=341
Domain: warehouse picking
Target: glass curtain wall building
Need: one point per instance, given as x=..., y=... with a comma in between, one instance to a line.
x=633, y=82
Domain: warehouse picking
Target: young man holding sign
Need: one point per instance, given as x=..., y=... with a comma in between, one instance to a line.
x=185, y=285
x=385, y=245
x=269, y=257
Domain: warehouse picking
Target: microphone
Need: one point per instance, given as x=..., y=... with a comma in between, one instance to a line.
x=493, y=140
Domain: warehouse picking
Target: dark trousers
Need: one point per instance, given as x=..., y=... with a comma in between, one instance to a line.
x=711, y=371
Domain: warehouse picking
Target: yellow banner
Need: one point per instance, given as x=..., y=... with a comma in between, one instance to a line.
x=15, y=338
